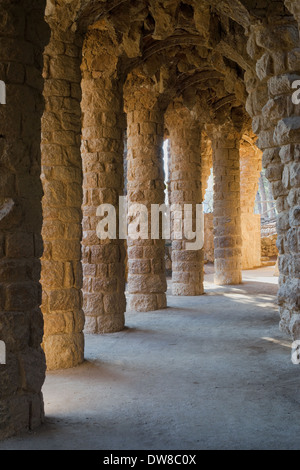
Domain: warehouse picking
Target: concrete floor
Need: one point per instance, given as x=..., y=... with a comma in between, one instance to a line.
x=210, y=372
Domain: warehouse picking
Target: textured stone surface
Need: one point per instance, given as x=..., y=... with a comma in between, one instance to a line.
x=209, y=248
x=146, y=269
x=276, y=120
x=227, y=205
x=250, y=164
x=268, y=246
x=23, y=34
x=102, y=156
x=185, y=181
x=61, y=275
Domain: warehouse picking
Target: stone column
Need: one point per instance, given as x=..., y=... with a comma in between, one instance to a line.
x=251, y=165
x=186, y=188
x=102, y=155
x=227, y=210
x=146, y=258
x=294, y=7
x=62, y=183
x=23, y=35
x=277, y=122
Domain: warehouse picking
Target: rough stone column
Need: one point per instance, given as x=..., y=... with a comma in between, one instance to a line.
x=102, y=155
x=294, y=7
x=276, y=119
x=62, y=183
x=227, y=210
x=186, y=188
x=23, y=34
x=146, y=258
x=251, y=165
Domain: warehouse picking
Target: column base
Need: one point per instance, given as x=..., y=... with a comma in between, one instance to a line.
x=228, y=271
x=147, y=302
x=64, y=351
x=228, y=279
x=22, y=413
x=104, y=325
x=187, y=290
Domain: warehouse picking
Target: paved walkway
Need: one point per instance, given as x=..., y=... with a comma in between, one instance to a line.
x=210, y=372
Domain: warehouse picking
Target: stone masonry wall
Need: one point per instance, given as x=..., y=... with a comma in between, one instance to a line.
x=277, y=121
x=23, y=34
x=268, y=246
